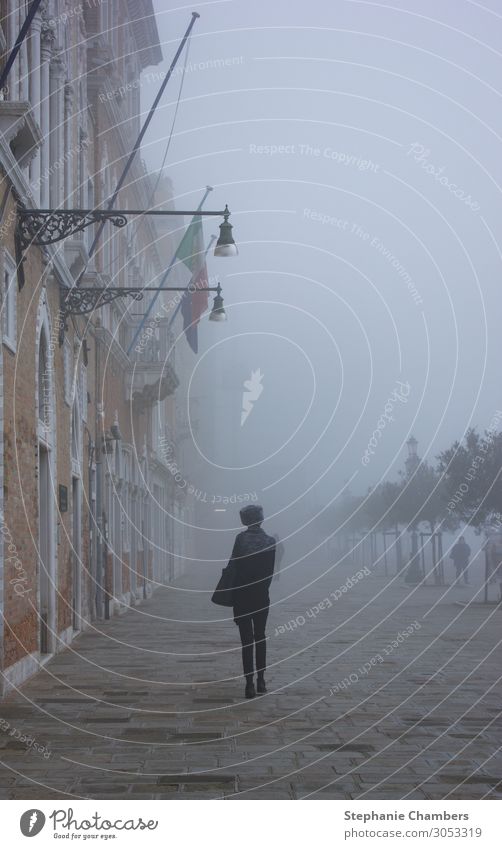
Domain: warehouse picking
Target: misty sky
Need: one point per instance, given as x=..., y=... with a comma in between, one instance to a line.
x=358, y=147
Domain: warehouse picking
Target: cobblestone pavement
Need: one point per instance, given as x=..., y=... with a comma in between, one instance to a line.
x=362, y=703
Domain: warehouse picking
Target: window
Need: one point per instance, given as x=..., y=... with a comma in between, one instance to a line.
x=115, y=319
x=83, y=392
x=44, y=381
x=81, y=159
x=126, y=504
x=9, y=303
x=118, y=459
x=123, y=335
x=68, y=372
x=75, y=447
x=90, y=231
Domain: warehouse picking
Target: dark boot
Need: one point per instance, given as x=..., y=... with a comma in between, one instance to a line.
x=250, y=691
x=260, y=685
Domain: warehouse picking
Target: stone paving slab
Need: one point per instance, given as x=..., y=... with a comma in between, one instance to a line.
x=147, y=707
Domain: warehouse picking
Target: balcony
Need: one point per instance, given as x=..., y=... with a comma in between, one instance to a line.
x=20, y=130
x=152, y=376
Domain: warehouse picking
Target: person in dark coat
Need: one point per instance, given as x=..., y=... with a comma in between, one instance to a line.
x=460, y=554
x=253, y=559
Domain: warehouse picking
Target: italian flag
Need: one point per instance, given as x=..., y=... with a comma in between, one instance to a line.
x=192, y=254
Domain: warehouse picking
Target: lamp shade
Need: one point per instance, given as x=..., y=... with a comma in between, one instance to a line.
x=218, y=311
x=225, y=246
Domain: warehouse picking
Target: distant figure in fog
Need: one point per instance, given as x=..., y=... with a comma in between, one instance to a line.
x=253, y=559
x=460, y=554
x=493, y=549
x=279, y=554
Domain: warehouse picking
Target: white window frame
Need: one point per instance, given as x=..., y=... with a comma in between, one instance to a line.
x=83, y=392
x=68, y=372
x=126, y=500
x=9, y=317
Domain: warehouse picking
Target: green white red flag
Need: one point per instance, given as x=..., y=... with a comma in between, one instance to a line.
x=191, y=252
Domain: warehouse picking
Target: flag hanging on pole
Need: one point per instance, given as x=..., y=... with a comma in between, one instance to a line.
x=192, y=254
x=186, y=253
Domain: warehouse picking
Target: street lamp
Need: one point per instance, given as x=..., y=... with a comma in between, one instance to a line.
x=218, y=311
x=412, y=446
x=412, y=461
x=225, y=246
x=47, y=226
x=107, y=442
x=115, y=429
x=414, y=573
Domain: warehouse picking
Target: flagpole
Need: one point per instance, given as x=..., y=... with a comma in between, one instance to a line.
x=19, y=40
x=137, y=143
x=166, y=275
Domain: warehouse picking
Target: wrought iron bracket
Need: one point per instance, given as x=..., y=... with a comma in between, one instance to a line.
x=82, y=300
x=48, y=226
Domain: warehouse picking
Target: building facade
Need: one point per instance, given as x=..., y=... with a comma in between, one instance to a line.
x=88, y=499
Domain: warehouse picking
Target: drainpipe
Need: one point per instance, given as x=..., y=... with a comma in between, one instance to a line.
x=98, y=441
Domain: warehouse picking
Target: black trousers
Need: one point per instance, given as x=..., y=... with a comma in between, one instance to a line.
x=462, y=571
x=252, y=632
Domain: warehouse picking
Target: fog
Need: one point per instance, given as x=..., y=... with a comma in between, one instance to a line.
x=356, y=145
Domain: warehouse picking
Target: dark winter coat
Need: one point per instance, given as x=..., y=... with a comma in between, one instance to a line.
x=460, y=554
x=253, y=558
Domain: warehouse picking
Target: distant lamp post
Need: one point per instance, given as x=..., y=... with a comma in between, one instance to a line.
x=107, y=440
x=414, y=574
x=115, y=429
x=111, y=436
x=412, y=446
x=218, y=311
x=225, y=246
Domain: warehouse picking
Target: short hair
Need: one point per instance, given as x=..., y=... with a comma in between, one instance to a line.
x=251, y=514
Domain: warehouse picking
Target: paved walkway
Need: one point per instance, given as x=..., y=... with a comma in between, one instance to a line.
x=363, y=703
